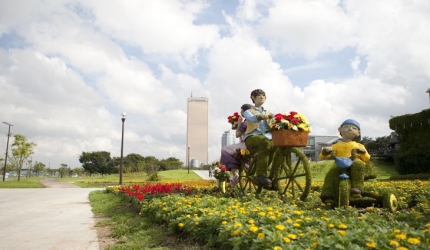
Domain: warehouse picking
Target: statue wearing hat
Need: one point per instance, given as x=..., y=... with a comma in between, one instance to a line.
x=350, y=163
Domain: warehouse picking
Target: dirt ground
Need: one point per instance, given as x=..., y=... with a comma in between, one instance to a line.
x=103, y=233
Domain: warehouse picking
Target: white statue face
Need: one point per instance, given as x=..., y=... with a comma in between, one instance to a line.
x=259, y=100
x=349, y=132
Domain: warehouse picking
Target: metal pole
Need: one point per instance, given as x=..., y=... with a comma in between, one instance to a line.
x=7, y=149
x=122, y=149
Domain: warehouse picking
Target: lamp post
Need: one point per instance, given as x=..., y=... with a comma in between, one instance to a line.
x=428, y=91
x=7, y=149
x=188, y=158
x=122, y=148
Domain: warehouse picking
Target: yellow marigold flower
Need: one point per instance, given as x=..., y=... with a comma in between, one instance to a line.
x=289, y=221
x=330, y=225
x=262, y=214
x=371, y=244
x=287, y=240
x=428, y=224
x=235, y=233
x=237, y=224
x=341, y=232
x=280, y=227
x=343, y=226
x=277, y=248
x=197, y=223
x=402, y=248
x=181, y=225
x=251, y=221
x=292, y=236
x=308, y=219
x=401, y=236
x=397, y=231
x=394, y=243
x=296, y=225
x=224, y=222
x=261, y=235
x=414, y=241
x=188, y=216
x=253, y=229
x=272, y=217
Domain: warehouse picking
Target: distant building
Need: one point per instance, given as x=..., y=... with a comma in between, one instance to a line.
x=197, y=129
x=228, y=138
x=316, y=143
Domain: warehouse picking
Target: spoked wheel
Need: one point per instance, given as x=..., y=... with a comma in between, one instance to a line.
x=293, y=179
x=247, y=177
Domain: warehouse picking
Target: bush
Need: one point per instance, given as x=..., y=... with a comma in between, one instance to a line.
x=154, y=177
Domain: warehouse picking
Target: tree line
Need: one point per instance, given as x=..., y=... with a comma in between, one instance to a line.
x=100, y=162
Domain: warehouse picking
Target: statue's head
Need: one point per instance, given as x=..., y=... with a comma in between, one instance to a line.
x=258, y=97
x=350, y=130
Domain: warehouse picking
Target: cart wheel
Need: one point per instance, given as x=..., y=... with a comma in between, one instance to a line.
x=294, y=179
x=247, y=177
x=389, y=201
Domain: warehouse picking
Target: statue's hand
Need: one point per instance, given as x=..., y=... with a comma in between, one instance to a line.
x=361, y=151
x=327, y=149
x=261, y=117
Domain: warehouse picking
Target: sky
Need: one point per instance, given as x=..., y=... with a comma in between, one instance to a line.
x=69, y=68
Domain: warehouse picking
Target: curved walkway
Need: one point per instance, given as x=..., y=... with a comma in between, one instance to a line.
x=204, y=174
x=55, y=218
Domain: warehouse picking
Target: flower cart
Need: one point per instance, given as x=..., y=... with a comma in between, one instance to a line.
x=289, y=166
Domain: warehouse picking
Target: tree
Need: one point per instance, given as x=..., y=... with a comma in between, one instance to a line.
x=79, y=171
x=97, y=162
x=21, y=150
x=132, y=161
x=38, y=167
x=170, y=163
x=151, y=165
x=63, y=170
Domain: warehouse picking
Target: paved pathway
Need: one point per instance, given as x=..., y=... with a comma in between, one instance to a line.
x=204, y=174
x=56, y=218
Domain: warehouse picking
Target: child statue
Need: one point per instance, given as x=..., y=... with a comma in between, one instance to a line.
x=355, y=170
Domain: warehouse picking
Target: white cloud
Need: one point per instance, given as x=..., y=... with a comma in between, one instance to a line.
x=68, y=69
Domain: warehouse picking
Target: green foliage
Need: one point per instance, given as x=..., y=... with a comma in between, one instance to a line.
x=131, y=230
x=21, y=150
x=170, y=163
x=97, y=162
x=413, y=132
x=23, y=183
x=154, y=177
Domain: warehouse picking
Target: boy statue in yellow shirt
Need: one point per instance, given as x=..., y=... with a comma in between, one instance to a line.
x=350, y=132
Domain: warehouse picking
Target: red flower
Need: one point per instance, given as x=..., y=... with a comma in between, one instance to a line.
x=279, y=117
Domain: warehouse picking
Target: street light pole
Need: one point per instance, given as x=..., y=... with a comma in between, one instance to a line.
x=188, y=158
x=122, y=148
x=7, y=149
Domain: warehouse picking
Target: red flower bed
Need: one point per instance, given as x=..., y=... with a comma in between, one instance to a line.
x=139, y=191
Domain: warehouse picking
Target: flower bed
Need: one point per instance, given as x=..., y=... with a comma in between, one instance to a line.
x=268, y=223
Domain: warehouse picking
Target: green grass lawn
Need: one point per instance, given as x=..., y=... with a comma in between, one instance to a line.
x=318, y=172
